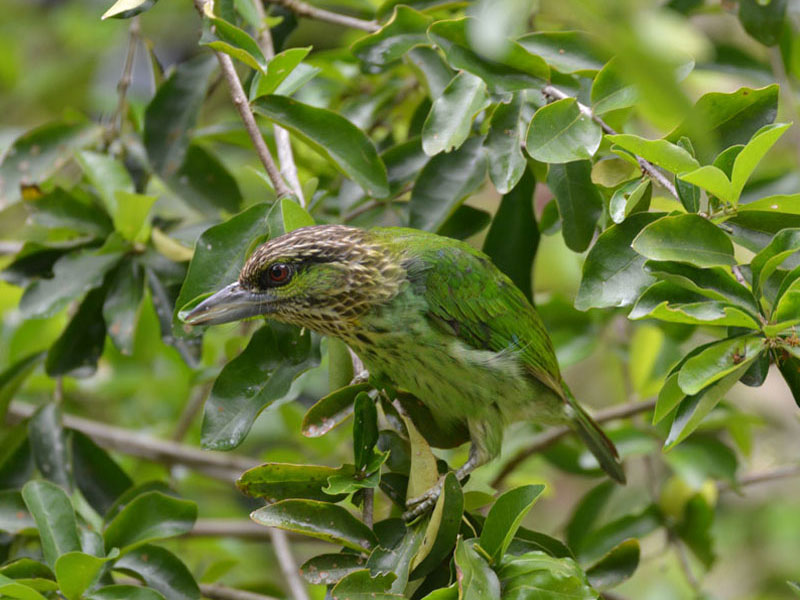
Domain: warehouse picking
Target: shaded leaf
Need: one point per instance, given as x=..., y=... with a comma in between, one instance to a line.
x=204, y=183
x=328, y=569
x=434, y=71
x=405, y=29
x=161, y=570
x=505, y=517
x=121, y=304
x=97, y=475
x=124, y=592
x=559, y=132
x=685, y=238
x=564, y=51
x=150, y=516
x=361, y=585
x=12, y=378
x=281, y=481
x=763, y=21
x=55, y=519
x=579, y=202
x=450, y=120
x=586, y=513
x=80, y=346
x=610, y=91
x=442, y=528
x=503, y=146
x=549, y=577
x=616, y=566
x=14, y=515
x=331, y=410
x=49, y=445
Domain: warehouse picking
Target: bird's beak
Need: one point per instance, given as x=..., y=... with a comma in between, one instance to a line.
x=231, y=303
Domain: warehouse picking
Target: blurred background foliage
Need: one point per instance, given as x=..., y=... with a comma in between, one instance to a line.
x=60, y=63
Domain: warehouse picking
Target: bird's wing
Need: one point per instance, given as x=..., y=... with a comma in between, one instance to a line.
x=472, y=299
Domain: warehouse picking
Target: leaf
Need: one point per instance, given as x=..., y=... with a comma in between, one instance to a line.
x=14, y=515
x=331, y=410
x=365, y=430
x=527, y=540
x=476, y=581
x=579, y=202
x=449, y=122
x=424, y=471
x=49, y=445
x=333, y=136
x=503, y=146
x=328, y=569
x=688, y=194
x=99, y=478
x=586, y=513
x=616, y=566
x=442, y=529
x=61, y=210
x=660, y=152
x=73, y=275
x=612, y=272
x=465, y=222
x=782, y=245
x=205, y=184
x=124, y=592
x=122, y=302
x=80, y=346
x=55, y=519
x=281, y=481
x=559, y=132
x=505, y=517
x=279, y=68
x=610, y=91
x=786, y=204
x=763, y=21
x=432, y=69
x=76, y=572
x=444, y=183
x=226, y=37
x=172, y=113
x=514, y=236
x=125, y=9
x=107, y=175
x=399, y=544
x=564, y=51
x=16, y=459
x=320, y=520
x=789, y=367
x=275, y=356
x=405, y=29
x=134, y=492
x=161, y=570
x=294, y=215
x=753, y=152
x=12, y=378
x=14, y=589
x=637, y=525
x=633, y=196
x=685, y=238
x=551, y=578
x=149, y=516
x=518, y=69
x=695, y=529
x=361, y=585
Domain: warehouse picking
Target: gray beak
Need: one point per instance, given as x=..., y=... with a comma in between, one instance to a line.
x=231, y=303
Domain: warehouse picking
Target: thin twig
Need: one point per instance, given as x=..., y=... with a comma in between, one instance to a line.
x=287, y=563
x=302, y=9
x=646, y=166
x=369, y=507
x=239, y=99
x=134, y=31
x=756, y=477
x=737, y=272
x=216, y=591
x=551, y=436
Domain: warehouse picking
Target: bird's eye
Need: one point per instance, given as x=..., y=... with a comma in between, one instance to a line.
x=279, y=273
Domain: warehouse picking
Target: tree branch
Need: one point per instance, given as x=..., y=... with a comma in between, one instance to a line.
x=216, y=591
x=647, y=167
x=115, y=126
x=756, y=477
x=551, y=436
x=302, y=9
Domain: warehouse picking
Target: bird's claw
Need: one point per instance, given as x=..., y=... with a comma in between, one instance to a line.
x=423, y=503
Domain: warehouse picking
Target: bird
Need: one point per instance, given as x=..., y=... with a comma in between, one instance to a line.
x=431, y=314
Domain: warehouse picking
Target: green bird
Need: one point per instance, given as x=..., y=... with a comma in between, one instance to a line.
x=430, y=314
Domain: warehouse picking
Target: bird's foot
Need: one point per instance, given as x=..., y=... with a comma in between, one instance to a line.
x=422, y=504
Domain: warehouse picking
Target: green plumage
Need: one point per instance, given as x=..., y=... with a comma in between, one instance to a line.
x=431, y=314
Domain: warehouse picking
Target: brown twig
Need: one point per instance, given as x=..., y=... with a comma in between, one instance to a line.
x=647, y=167
x=302, y=9
x=134, y=32
x=216, y=591
x=551, y=436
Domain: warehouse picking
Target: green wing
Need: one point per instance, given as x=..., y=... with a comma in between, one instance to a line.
x=471, y=298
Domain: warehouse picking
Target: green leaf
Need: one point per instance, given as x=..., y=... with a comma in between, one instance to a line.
x=763, y=20
x=465, y=222
x=449, y=122
x=280, y=481
x=78, y=349
x=601, y=540
x=431, y=68
x=633, y=196
x=405, y=29
x=49, y=445
x=361, y=585
x=701, y=458
x=442, y=529
x=61, y=210
x=55, y=519
x=204, y=183
x=616, y=566
x=125, y=9
x=444, y=183
x=586, y=513
x=781, y=246
x=296, y=79
x=787, y=309
x=237, y=43
x=150, y=516
x=173, y=111
x=320, y=520
x=714, y=282
x=16, y=459
x=399, y=544
x=161, y=570
x=294, y=215
x=99, y=478
x=14, y=589
x=76, y=572
x=685, y=238
x=789, y=367
x=12, y=378
x=559, y=132
x=786, y=204
x=365, y=430
x=39, y=153
x=331, y=410
x=551, y=578
x=14, y=515
x=503, y=145
x=476, y=580
x=688, y=194
x=579, y=202
x=527, y=541
x=131, y=214
x=328, y=569
x=505, y=517
x=122, y=302
x=753, y=152
x=424, y=470
x=73, y=275
x=518, y=69
x=124, y=592
x=612, y=271
x=275, y=356
x=794, y=585
x=333, y=136
x=279, y=68
x=695, y=529
x=564, y=51
x=610, y=90
x=514, y=236
x=660, y=152
x=134, y=492
x=107, y=175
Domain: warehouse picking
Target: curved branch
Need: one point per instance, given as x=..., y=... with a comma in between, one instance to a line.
x=303, y=9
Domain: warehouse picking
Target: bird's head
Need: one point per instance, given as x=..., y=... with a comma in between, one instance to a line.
x=323, y=277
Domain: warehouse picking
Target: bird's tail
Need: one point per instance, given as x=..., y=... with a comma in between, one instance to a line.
x=598, y=443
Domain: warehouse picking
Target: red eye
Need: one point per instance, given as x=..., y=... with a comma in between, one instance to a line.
x=279, y=273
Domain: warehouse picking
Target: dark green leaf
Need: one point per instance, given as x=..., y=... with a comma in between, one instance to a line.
x=76, y=572
x=616, y=566
x=718, y=361
x=365, y=430
x=49, y=445
x=398, y=546
x=60, y=210
x=564, y=51
x=237, y=43
x=78, y=349
x=701, y=458
x=121, y=305
x=134, y=492
x=124, y=592
x=150, y=516
x=602, y=540
x=328, y=569
x=559, y=132
x=505, y=517
x=333, y=136
x=688, y=194
x=685, y=238
x=442, y=528
x=13, y=377
x=33, y=262
x=551, y=578
x=445, y=182
x=161, y=570
x=527, y=541
x=435, y=72
x=99, y=478
x=763, y=20
x=449, y=123
x=16, y=458
x=320, y=520
x=404, y=30
x=587, y=512
x=514, y=236
x=476, y=580
x=275, y=356
x=579, y=201
x=782, y=246
x=361, y=585
x=789, y=367
x=280, y=481
x=173, y=111
x=204, y=183
x=55, y=519
x=465, y=222
x=714, y=282
x=503, y=145
x=331, y=410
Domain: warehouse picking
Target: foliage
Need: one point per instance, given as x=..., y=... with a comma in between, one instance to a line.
x=576, y=134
